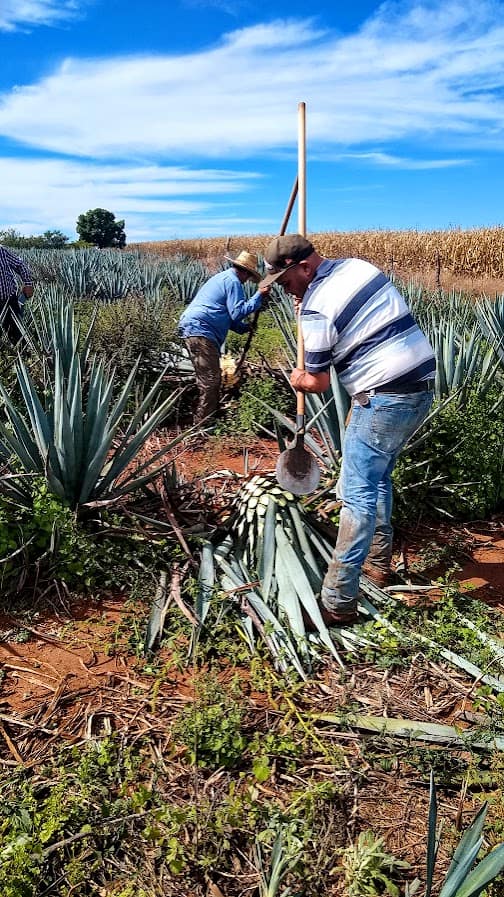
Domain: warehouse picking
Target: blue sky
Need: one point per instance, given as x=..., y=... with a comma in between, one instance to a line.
x=181, y=116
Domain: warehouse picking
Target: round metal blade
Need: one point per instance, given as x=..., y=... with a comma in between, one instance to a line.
x=297, y=471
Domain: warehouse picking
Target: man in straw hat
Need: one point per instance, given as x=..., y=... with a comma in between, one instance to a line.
x=219, y=306
x=354, y=320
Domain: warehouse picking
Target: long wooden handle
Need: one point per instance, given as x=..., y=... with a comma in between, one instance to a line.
x=302, y=169
x=292, y=199
x=301, y=178
x=300, y=396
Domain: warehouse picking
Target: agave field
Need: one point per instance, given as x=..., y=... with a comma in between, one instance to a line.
x=167, y=724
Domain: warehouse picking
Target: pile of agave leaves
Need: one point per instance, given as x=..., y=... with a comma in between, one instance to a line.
x=271, y=563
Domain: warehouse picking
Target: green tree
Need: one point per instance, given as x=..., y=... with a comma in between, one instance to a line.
x=50, y=239
x=99, y=227
x=53, y=239
x=11, y=238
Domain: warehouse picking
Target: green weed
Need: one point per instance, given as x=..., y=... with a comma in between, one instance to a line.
x=267, y=342
x=60, y=826
x=369, y=869
x=462, y=452
x=211, y=728
x=52, y=543
x=248, y=413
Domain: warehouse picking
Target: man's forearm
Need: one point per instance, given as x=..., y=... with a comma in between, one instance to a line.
x=306, y=382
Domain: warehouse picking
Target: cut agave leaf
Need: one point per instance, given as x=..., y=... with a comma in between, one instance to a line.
x=432, y=839
x=418, y=730
x=206, y=582
x=157, y=615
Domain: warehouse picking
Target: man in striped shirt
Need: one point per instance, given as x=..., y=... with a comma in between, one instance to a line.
x=355, y=320
x=12, y=270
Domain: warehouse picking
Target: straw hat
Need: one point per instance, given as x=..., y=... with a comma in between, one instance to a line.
x=248, y=261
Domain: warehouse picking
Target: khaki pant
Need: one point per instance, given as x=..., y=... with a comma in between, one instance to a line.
x=205, y=356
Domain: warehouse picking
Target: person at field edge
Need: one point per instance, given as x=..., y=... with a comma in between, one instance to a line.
x=12, y=269
x=219, y=306
x=354, y=320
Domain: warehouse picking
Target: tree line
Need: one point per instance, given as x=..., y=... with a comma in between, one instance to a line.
x=96, y=227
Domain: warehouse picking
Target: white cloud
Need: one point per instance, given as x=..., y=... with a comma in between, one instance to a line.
x=430, y=73
x=15, y=14
x=43, y=194
x=389, y=160
x=418, y=86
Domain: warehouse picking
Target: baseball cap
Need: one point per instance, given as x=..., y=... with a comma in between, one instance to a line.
x=283, y=253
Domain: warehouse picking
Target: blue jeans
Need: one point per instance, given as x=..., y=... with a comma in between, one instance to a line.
x=374, y=437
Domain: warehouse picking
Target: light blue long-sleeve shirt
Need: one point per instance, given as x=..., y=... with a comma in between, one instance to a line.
x=219, y=306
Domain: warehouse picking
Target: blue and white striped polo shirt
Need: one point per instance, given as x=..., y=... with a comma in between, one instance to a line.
x=354, y=318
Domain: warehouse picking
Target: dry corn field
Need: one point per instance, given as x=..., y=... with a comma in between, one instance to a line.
x=474, y=253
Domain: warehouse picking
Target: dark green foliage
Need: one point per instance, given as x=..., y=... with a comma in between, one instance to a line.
x=131, y=329
x=56, y=545
x=97, y=815
x=50, y=239
x=74, y=801
x=211, y=728
x=450, y=630
x=458, y=470
x=248, y=413
x=53, y=239
x=267, y=342
x=99, y=227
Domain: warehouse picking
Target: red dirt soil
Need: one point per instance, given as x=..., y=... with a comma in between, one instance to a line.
x=484, y=573
x=57, y=657
x=84, y=649
x=228, y=460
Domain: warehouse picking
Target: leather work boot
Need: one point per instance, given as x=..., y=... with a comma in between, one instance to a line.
x=380, y=576
x=330, y=617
